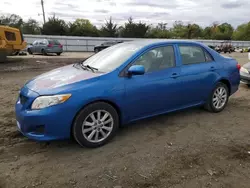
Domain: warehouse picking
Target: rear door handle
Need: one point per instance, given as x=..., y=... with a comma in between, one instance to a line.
x=212, y=68
x=174, y=75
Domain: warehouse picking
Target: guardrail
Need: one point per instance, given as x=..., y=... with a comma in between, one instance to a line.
x=86, y=44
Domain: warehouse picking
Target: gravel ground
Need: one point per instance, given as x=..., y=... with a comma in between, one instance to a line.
x=191, y=148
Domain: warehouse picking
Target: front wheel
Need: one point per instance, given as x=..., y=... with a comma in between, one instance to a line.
x=95, y=125
x=218, y=99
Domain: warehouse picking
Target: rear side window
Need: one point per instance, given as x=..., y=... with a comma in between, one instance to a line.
x=193, y=55
x=208, y=56
x=10, y=36
x=55, y=42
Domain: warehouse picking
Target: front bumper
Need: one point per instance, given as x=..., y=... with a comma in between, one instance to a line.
x=245, y=78
x=52, y=123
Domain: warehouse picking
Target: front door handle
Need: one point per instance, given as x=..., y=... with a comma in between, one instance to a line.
x=174, y=75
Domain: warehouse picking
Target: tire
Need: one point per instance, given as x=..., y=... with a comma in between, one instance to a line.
x=58, y=53
x=248, y=85
x=84, y=121
x=210, y=106
x=29, y=51
x=43, y=52
x=96, y=50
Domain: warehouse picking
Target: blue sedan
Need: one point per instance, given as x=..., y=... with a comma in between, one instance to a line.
x=130, y=81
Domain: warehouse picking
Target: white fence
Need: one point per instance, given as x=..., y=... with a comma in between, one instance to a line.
x=86, y=44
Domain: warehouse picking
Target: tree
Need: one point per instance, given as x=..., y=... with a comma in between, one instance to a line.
x=179, y=30
x=194, y=31
x=31, y=27
x=207, y=33
x=224, y=32
x=160, y=31
x=109, y=29
x=242, y=32
x=55, y=26
x=83, y=27
x=13, y=21
x=134, y=30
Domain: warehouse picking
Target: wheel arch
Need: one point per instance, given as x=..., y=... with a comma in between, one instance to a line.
x=113, y=104
x=227, y=83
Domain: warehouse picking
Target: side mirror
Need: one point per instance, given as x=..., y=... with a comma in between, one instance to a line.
x=136, y=70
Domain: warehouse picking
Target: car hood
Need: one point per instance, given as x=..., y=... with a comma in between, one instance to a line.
x=247, y=66
x=59, y=77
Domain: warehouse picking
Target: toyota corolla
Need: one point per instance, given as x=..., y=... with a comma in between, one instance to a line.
x=130, y=81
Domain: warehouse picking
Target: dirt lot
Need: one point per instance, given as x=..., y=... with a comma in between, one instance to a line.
x=192, y=148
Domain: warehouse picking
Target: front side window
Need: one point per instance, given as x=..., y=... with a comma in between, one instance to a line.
x=157, y=59
x=192, y=54
x=10, y=36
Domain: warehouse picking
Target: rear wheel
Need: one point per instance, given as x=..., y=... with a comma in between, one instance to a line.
x=218, y=99
x=58, y=53
x=95, y=125
x=29, y=51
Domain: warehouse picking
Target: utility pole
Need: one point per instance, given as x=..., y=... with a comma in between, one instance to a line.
x=43, y=12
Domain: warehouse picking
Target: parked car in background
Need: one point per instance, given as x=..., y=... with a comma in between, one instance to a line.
x=126, y=82
x=45, y=46
x=238, y=49
x=225, y=47
x=104, y=45
x=245, y=74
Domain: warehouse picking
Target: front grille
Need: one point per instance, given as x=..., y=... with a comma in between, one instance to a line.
x=23, y=99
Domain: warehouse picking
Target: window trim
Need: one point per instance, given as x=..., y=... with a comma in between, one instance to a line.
x=203, y=50
x=124, y=71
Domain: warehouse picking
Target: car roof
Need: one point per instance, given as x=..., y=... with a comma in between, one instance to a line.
x=146, y=42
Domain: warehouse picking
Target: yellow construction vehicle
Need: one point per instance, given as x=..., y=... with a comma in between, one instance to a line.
x=11, y=41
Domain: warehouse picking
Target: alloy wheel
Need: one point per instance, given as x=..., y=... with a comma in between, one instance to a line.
x=97, y=126
x=219, y=97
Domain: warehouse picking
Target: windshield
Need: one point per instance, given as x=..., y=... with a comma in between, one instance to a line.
x=112, y=57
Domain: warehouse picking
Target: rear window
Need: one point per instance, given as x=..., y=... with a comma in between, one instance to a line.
x=10, y=36
x=55, y=42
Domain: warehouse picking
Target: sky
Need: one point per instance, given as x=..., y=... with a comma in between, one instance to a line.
x=202, y=12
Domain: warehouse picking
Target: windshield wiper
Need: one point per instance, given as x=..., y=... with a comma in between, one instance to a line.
x=85, y=67
x=79, y=65
x=93, y=69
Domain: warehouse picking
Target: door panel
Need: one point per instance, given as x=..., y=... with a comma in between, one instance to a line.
x=197, y=81
x=198, y=74
x=152, y=93
x=156, y=91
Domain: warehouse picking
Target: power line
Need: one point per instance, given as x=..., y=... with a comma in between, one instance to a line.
x=43, y=11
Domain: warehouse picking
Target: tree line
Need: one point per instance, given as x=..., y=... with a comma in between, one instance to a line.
x=131, y=29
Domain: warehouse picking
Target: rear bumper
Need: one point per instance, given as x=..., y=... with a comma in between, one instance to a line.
x=54, y=51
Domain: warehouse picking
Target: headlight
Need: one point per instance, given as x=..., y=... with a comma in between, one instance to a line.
x=46, y=101
x=242, y=69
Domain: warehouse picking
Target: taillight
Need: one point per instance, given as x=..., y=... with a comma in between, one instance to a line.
x=50, y=45
x=238, y=66
x=60, y=46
